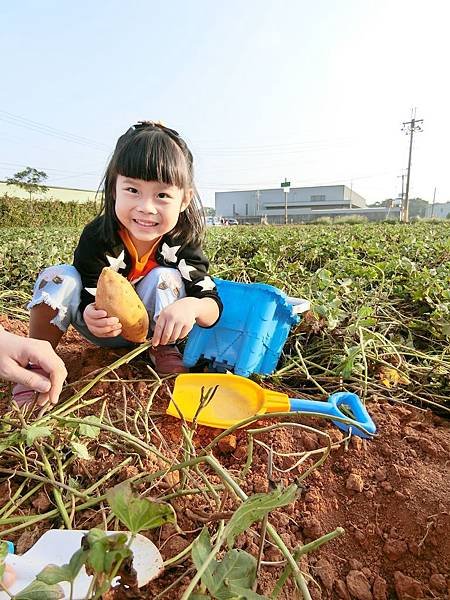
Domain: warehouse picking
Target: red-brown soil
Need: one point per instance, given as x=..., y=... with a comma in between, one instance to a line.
x=391, y=494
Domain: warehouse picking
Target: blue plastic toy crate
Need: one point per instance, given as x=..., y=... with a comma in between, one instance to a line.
x=251, y=332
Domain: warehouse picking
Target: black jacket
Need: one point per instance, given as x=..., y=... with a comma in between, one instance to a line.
x=93, y=253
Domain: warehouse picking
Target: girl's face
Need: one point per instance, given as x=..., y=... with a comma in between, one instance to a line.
x=148, y=209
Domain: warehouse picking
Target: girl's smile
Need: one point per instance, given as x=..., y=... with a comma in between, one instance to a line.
x=148, y=209
x=145, y=224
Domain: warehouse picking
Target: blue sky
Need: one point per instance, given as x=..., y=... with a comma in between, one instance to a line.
x=261, y=90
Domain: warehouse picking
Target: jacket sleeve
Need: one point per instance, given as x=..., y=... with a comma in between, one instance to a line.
x=89, y=260
x=193, y=267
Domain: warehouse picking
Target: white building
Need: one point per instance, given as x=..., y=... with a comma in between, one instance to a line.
x=439, y=210
x=303, y=204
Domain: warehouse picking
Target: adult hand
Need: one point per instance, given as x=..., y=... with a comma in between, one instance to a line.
x=9, y=577
x=99, y=324
x=175, y=321
x=17, y=352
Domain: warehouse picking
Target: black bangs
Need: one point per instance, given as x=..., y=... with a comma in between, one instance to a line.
x=152, y=156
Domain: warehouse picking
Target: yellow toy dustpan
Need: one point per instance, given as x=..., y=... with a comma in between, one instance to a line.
x=238, y=398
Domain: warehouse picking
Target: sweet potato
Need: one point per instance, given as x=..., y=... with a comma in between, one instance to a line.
x=117, y=296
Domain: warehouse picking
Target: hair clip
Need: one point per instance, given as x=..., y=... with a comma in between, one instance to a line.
x=155, y=125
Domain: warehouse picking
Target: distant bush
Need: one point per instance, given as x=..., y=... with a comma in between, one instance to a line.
x=324, y=220
x=427, y=219
x=350, y=219
x=16, y=212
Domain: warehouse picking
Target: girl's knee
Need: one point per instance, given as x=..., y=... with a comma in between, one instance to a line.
x=162, y=285
x=62, y=276
x=59, y=288
x=163, y=273
x=162, y=278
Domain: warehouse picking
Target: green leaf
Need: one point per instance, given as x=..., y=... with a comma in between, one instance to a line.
x=11, y=440
x=34, y=432
x=103, y=551
x=3, y=551
x=238, y=568
x=80, y=450
x=114, y=556
x=38, y=590
x=52, y=574
x=92, y=536
x=245, y=594
x=345, y=368
x=255, y=508
x=138, y=513
x=201, y=549
x=97, y=555
x=88, y=428
x=76, y=562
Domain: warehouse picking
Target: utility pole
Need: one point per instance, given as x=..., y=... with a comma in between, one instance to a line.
x=409, y=127
x=434, y=200
x=285, y=186
x=402, y=194
x=403, y=184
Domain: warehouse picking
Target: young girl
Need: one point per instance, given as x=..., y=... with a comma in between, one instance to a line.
x=149, y=229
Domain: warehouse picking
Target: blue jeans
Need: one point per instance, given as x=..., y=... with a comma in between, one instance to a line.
x=60, y=287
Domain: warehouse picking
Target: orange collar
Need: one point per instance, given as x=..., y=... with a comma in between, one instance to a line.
x=126, y=239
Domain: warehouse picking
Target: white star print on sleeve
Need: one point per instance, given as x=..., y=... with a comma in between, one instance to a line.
x=170, y=253
x=117, y=263
x=206, y=284
x=185, y=269
x=91, y=291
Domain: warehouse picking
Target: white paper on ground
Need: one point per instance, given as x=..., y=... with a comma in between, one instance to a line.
x=57, y=546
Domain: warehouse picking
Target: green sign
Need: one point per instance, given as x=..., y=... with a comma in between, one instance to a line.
x=286, y=184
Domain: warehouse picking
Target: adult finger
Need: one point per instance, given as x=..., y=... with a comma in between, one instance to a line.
x=176, y=333
x=168, y=333
x=9, y=576
x=184, y=332
x=30, y=379
x=52, y=364
x=44, y=399
x=159, y=328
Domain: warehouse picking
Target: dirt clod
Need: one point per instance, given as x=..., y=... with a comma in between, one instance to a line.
x=358, y=586
x=406, y=587
x=355, y=482
x=228, y=444
x=438, y=582
x=379, y=589
x=326, y=573
x=341, y=589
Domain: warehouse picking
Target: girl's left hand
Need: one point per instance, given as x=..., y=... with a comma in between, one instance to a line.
x=175, y=321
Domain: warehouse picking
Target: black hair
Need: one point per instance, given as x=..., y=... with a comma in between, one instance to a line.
x=153, y=152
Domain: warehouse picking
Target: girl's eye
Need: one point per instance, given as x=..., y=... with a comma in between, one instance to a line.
x=163, y=195
x=132, y=190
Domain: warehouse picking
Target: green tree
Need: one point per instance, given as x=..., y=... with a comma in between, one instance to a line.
x=30, y=180
x=209, y=211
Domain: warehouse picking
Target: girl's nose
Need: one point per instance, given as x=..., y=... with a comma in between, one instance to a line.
x=148, y=205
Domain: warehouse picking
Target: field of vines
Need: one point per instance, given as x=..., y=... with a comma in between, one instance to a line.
x=264, y=511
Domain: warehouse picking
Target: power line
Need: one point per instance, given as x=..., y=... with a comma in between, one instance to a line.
x=20, y=121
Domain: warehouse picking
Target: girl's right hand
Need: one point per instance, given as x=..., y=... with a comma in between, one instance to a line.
x=99, y=324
